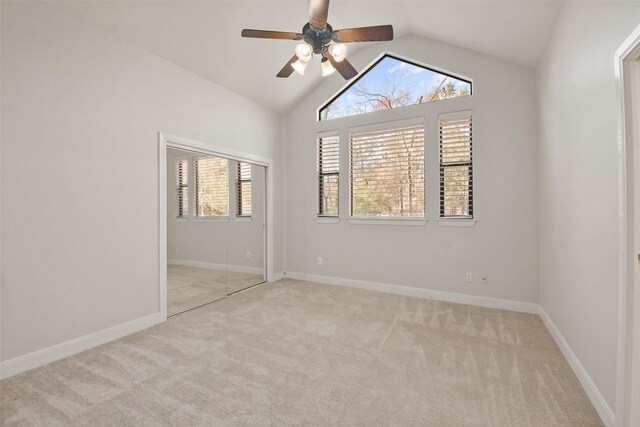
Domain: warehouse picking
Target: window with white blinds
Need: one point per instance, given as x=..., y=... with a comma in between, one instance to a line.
x=182, y=188
x=211, y=186
x=456, y=165
x=328, y=175
x=243, y=189
x=387, y=172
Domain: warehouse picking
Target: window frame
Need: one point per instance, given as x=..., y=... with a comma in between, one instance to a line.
x=373, y=65
x=196, y=198
x=239, y=182
x=320, y=175
x=392, y=220
x=462, y=114
x=178, y=186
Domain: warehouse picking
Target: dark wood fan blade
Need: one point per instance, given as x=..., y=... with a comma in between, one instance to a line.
x=287, y=69
x=344, y=67
x=378, y=33
x=263, y=34
x=318, y=11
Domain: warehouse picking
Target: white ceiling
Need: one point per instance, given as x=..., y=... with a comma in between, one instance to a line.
x=204, y=36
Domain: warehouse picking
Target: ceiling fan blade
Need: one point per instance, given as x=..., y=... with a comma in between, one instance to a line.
x=264, y=34
x=287, y=69
x=377, y=33
x=318, y=11
x=344, y=67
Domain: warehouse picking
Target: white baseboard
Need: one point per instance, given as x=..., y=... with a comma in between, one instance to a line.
x=596, y=398
x=274, y=277
x=214, y=266
x=501, y=304
x=38, y=358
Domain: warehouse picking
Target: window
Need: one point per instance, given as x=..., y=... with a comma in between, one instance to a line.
x=182, y=188
x=243, y=189
x=211, y=186
x=328, y=175
x=456, y=165
x=387, y=172
x=393, y=83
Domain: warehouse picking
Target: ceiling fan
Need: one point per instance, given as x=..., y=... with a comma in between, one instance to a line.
x=318, y=37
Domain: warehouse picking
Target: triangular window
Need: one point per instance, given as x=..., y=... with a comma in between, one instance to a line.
x=393, y=83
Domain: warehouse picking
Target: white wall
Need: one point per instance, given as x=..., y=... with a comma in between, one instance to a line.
x=503, y=243
x=578, y=183
x=81, y=113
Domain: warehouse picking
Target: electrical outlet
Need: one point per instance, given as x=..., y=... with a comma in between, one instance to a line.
x=469, y=277
x=248, y=254
x=319, y=260
x=484, y=279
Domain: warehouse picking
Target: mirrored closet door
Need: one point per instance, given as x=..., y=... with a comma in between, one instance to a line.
x=246, y=232
x=215, y=228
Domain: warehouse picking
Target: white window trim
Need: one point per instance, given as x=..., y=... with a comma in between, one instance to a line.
x=319, y=135
x=457, y=222
x=391, y=220
x=420, y=221
x=210, y=219
x=327, y=219
x=449, y=221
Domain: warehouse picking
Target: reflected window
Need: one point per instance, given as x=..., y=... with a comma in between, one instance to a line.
x=211, y=186
x=182, y=188
x=243, y=189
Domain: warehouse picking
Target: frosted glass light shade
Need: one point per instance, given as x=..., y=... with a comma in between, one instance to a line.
x=304, y=52
x=338, y=51
x=299, y=66
x=327, y=68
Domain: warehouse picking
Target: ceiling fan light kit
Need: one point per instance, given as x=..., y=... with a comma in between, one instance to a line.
x=320, y=38
x=327, y=68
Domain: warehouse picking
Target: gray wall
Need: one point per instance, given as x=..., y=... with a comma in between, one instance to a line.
x=503, y=243
x=81, y=111
x=579, y=182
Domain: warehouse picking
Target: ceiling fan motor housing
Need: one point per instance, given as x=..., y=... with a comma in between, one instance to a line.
x=318, y=38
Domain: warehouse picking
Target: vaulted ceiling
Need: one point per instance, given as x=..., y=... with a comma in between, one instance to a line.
x=204, y=36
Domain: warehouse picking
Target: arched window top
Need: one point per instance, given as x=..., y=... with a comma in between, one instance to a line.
x=393, y=83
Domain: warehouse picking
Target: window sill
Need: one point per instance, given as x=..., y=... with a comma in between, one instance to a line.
x=218, y=219
x=459, y=222
x=327, y=220
x=243, y=219
x=388, y=221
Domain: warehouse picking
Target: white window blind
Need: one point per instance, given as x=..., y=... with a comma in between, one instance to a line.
x=328, y=175
x=456, y=166
x=211, y=186
x=387, y=172
x=182, y=188
x=243, y=189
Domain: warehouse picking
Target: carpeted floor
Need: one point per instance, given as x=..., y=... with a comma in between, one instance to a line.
x=299, y=353
x=189, y=287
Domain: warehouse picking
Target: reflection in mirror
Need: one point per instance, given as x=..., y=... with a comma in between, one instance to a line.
x=246, y=230
x=197, y=229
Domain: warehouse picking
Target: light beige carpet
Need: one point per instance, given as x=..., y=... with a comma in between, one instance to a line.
x=299, y=353
x=190, y=287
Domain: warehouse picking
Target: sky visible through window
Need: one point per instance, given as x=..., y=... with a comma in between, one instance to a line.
x=393, y=83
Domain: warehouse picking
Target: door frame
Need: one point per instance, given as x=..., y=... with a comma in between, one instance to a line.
x=628, y=369
x=172, y=141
